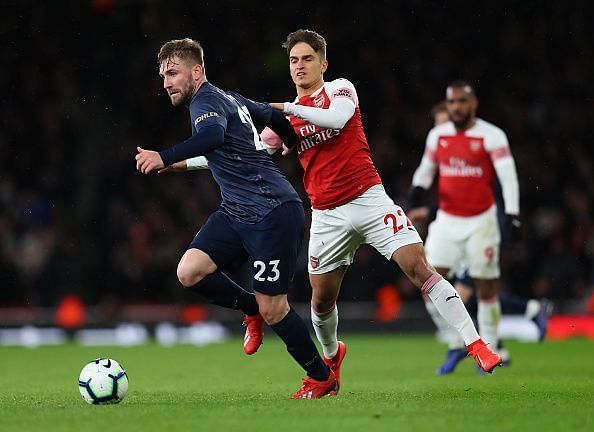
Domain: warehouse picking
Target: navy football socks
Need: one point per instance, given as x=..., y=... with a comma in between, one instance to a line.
x=217, y=288
x=293, y=331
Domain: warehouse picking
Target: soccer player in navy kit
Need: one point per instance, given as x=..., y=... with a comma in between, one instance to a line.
x=261, y=215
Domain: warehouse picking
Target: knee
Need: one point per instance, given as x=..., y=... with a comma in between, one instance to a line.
x=322, y=305
x=273, y=312
x=324, y=296
x=189, y=276
x=418, y=270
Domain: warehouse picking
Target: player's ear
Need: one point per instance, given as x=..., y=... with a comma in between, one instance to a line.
x=197, y=71
x=324, y=66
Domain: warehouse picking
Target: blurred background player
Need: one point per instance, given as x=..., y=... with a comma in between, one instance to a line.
x=349, y=204
x=469, y=153
x=261, y=215
x=535, y=310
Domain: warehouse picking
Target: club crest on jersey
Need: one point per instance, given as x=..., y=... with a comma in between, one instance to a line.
x=314, y=261
x=319, y=100
x=475, y=145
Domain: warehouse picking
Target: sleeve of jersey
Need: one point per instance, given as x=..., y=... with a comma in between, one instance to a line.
x=262, y=113
x=339, y=112
x=209, y=120
x=207, y=139
x=505, y=167
x=508, y=177
x=425, y=173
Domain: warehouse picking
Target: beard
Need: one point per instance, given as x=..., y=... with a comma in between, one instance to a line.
x=184, y=96
x=463, y=122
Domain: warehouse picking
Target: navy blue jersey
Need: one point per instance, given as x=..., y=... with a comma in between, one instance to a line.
x=251, y=184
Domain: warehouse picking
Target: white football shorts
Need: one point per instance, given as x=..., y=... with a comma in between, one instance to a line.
x=372, y=218
x=474, y=241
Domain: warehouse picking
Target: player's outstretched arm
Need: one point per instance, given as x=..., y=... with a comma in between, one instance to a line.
x=207, y=139
x=334, y=117
x=192, y=164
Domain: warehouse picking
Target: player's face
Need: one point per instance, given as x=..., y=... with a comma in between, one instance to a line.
x=307, y=68
x=461, y=106
x=441, y=117
x=178, y=80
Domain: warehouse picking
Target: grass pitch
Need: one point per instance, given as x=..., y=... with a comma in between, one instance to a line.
x=389, y=384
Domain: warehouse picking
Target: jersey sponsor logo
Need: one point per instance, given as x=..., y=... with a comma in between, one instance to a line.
x=205, y=116
x=459, y=168
x=343, y=92
x=316, y=138
x=314, y=261
x=307, y=130
x=319, y=100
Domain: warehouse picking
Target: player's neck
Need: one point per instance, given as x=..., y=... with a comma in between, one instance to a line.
x=467, y=126
x=306, y=91
x=199, y=84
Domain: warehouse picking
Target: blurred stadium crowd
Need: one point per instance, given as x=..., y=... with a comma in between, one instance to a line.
x=80, y=91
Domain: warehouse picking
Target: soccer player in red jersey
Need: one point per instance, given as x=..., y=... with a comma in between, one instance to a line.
x=535, y=310
x=349, y=204
x=469, y=153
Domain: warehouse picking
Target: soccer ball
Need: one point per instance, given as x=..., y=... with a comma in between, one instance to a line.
x=103, y=381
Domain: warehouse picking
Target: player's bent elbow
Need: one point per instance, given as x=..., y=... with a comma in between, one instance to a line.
x=341, y=122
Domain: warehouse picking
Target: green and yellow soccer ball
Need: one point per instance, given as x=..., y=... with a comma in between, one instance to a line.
x=103, y=381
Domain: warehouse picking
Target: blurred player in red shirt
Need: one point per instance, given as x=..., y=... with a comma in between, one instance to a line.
x=469, y=153
x=535, y=310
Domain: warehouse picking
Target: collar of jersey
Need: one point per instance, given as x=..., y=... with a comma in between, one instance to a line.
x=314, y=94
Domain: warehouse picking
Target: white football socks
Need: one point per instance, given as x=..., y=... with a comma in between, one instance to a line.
x=532, y=308
x=488, y=316
x=449, y=334
x=326, y=327
x=448, y=303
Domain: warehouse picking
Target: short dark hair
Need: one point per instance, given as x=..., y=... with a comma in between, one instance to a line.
x=462, y=84
x=310, y=37
x=185, y=49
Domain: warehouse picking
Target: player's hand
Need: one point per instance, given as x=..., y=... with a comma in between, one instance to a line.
x=418, y=215
x=512, y=229
x=287, y=150
x=180, y=166
x=148, y=160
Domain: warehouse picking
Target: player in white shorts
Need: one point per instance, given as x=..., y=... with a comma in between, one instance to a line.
x=349, y=204
x=474, y=240
x=337, y=233
x=469, y=153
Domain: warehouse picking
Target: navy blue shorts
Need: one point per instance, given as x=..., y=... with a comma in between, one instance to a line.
x=272, y=245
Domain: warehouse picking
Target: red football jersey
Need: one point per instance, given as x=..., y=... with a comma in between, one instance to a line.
x=336, y=162
x=465, y=162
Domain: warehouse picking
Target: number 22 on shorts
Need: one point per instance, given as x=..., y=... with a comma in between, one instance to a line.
x=397, y=221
